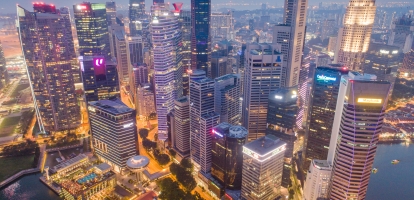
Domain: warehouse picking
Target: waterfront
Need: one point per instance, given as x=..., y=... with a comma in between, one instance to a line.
x=27, y=187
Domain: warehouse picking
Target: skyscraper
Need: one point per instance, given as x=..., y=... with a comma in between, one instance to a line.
x=355, y=35
x=262, y=75
x=49, y=53
x=201, y=104
x=136, y=49
x=358, y=122
x=262, y=168
x=227, y=155
x=122, y=55
x=111, y=12
x=318, y=180
x=114, y=133
x=200, y=35
x=323, y=98
x=227, y=98
x=185, y=22
x=168, y=70
x=99, y=77
x=92, y=29
x=402, y=33
x=281, y=122
x=222, y=25
x=144, y=100
x=3, y=70
x=181, y=132
x=136, y=14
x=291, y=35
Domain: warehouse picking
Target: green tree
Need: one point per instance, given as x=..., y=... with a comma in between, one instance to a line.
x=170, y=189
x=291, y=193
x=143, y=133
x=163, y=159
x=156, y=137
x=148, y=144
x=172, y=152
x=186, y=163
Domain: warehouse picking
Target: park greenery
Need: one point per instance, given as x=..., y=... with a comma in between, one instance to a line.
x=143, y=133
x=170, y=189
x=149, y=145
x=11, y=165
x=162, y=158
x=183, y=173
x=21, y=149
x=67, y=140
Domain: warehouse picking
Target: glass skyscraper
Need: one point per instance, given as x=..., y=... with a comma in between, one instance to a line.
x=136, y=13
x=200, y=35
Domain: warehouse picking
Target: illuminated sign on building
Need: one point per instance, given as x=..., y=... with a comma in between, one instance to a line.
x=267, y=156
x=395, y=52
x=325, y=78
x=128, y=125
x=81, y=7
x=92, y=109
x=384, y=51
x=366, y=100
x=217, y=133
x=278, y=97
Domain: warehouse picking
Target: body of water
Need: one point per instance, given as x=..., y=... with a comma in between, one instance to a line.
x=28, y=187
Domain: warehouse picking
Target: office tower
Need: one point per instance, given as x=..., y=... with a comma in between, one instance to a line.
x=251, y=24
x=402, y=33
x=262, y=168
x=221, y=26
x=359, y=116
x=136, y=49
x=122, y=54
x=136, y=14
x=202, y=104
x=110, y=12
x=291, y=35
x=323, y=98
x=328, y=28
x=114, y=132
x=219, y=66
x=140, y=73
x=3, y=70
x=168, y=70
x=407, y=68
x=203, y=154
x=227, y=98
x=144, y=100
x=281, y=122
x=49, y=69
x=317, y=180
x=323, y=60
x=262, y=75
x=200, y=35
x=303, y=98
x=383, y=61
x=227, y=156
x=181, y=131
x=332, y=43
x=92, y=29
x=100, y=78
x=355, y=35
x=185, y=23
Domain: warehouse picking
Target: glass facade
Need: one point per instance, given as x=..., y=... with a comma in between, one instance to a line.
x=136, y=14
x=200, y=36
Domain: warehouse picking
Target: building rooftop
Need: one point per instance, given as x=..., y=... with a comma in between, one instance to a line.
x=137, y=162
x=264, y=145
x=68, y=163
x=227, y=76
x=103, y=167
x=114, y=106
x=322, y=164
x=284, y=95
x=182, y=99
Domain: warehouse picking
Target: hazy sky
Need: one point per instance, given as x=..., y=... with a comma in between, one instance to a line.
x=9, y=6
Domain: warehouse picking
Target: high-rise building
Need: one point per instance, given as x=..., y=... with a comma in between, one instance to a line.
x=323, y=60
x=220, y=66
x=140, y=73
x=122, y=55
x=136, y=14
x=322, y=105
x=262, y=75
x=407, y=68
x=317, y=180
x=221, y=26
x=168, y=70
x=262, y=168
x=402, y=33
x=3, y=70
x=136, y=49
x=383, y=61
x=200, y=35
x=201, y=104
x=49, y=69
x=111, y=12
x=227, y=156
x=92, y=29
x=359, y=116
x=144, y=100
x=281, y=122
x=355, y=35
x=185, y=23
x=227, y=98
x=291, y=35
x=181, y=131
x=114, y=132
x=207, y=122
x=332, y=43
x=99, y=77
x=328, y=28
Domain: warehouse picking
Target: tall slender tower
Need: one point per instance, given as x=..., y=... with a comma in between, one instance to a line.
x=136, y=13
x=48, y=49
x=111, y=12
x=168, y=70
x=92, y=29
x=354, y=36
x=200, y=35
x=291, y=35
x=358, y=122
x=3, y=70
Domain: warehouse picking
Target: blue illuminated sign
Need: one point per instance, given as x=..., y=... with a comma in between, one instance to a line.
x=325, y=78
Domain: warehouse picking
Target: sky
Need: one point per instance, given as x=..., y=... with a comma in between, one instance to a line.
x=9, y=6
